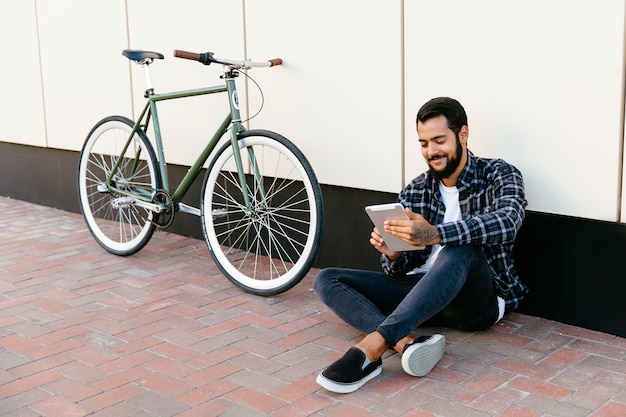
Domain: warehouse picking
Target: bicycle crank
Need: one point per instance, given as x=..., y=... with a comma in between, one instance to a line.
x=126, y=202
x=215, y=213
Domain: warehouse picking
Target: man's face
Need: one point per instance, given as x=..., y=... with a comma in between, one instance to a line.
x=441, y=148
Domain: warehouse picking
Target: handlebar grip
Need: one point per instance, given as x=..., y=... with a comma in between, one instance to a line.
x=275, y=61
x=187, y=55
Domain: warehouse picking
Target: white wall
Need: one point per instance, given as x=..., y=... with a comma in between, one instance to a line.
x=542, y=82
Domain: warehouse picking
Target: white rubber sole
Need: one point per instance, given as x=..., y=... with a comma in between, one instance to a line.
x=419, y=359
x=346, y=388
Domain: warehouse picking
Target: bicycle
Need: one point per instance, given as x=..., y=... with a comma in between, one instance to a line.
x=261, y=205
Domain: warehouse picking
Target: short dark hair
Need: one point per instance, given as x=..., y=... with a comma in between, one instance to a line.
x=444, y=106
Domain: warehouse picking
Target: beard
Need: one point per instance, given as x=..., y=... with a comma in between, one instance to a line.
x=451, y=166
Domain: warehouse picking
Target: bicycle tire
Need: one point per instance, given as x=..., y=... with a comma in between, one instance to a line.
x=271, y=248
x=120, y=227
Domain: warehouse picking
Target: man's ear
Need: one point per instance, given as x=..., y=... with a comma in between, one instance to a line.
x=464, y=133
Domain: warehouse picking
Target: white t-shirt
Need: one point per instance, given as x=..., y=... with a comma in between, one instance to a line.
x=450, y=198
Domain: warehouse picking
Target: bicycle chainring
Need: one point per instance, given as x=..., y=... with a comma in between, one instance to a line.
x=165, y=218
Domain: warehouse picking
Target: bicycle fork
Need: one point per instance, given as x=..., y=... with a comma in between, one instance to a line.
x=257, y=187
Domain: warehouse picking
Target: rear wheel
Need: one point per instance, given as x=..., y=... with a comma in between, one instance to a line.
x=268, y=247
x=117, y=224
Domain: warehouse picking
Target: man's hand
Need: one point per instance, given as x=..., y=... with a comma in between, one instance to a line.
x=377, y=241
x=416, y=231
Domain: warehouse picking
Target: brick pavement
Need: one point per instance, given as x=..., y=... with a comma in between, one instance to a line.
x=163, y=333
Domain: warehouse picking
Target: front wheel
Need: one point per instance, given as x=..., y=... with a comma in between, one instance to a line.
x=106, y=194
x=268, y=245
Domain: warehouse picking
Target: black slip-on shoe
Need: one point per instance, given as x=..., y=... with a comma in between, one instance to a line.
x=420, y=356
x=348, y=374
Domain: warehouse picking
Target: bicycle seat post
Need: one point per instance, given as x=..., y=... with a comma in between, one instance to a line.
x=146, y=66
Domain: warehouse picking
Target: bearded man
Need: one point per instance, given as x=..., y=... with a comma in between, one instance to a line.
x=465, y=211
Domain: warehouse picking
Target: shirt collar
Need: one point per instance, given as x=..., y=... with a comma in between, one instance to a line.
x=468, y=173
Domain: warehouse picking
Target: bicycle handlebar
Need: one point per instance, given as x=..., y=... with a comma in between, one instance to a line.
x=207, y=58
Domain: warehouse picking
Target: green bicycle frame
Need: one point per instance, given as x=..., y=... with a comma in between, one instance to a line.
x=150, y=110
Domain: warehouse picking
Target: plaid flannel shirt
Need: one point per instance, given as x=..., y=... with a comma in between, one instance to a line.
x=492, y=201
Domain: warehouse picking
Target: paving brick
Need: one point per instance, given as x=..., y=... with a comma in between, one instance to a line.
x=298, y=339
x=587, y=334
x=255, y=400
x=127, y=362
x=551, y=407
x=573, y=378
x=120, y=409
x=516, y=411
x=165, y=385
x=215, y=357
x=136, y=346
x=601, y=349
x=158, y=405
x=112, y=396
x=207, y=392
x=261, y=382
x=61, y=335
x=28, y=382
x=212, y=373
x=17, y=343
x=297, y=390
x=527, y=369
x=175, y=352
x=81, y=371
x=562, y=358
x=497, y=400
x=30, y=367
x=405, y=402
x=611, y=410
x=72, y=390
x=56, y=406
x=302, y=369
x=119, y=379
x=214, y=408
x=90, y=355
x=306, y=406
x=220, y=328
x=487, y=380
x=544, y=389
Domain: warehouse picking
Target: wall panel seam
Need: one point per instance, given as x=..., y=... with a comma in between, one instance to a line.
x=41, y=82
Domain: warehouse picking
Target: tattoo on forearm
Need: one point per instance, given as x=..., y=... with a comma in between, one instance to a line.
x=426, y=235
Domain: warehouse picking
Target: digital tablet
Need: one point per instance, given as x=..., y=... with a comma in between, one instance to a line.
x=381, y=212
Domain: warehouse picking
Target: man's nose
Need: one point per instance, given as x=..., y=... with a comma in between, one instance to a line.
x=433, y=149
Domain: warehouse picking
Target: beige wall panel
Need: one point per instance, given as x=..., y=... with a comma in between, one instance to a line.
x=192, y=25
x=338, y=94
x=542, y=85
x=84, y=74
x=21, y=104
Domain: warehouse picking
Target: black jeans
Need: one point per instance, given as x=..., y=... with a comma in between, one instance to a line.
x=458, y=291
